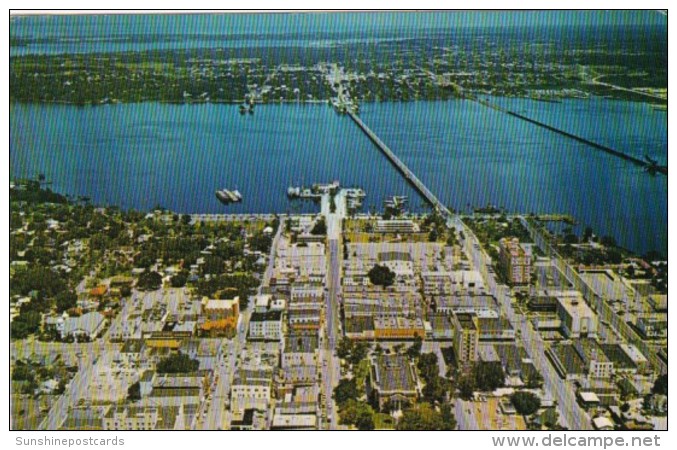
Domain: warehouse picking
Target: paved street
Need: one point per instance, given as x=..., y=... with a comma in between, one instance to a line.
x=465, y=415
x=602, y=308
x=331, y=369
x=75, y=390
x=216, y=419
x=571, y=414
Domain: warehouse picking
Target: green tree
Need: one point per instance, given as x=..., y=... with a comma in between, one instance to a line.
x=25, y=324
x=357, y=413
x=344, y=348
x=422, y=417
x=144, y=259
x=46, y=282
x=177, y=363
x=365, y=422
x=179, y=280
x=149, y=281
x=415, y=350
x=125, y=291
x=344, y=391
x=570, y=238
x=134, y=392
x=614, y=256
x=66, y=300
x=23, y=373
x=381, y=276
x=435, y=390
x=428, y=366
x=448, y=417
x=587, y=234
x=320, y=228
x=660, y=386
x=466, y=387
x=488, y=376
x=213, y=265
x=61, y=388
x=526, y=403
x=260, y=242
x=359, y=351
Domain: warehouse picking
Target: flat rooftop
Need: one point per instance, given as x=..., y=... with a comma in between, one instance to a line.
x=592, y=350
x=549, y=277
x=570, y=359
x=616, y=354
x=392, y=373
x=466, y=321
x=606, y=284
x=575, y=306
x=466, y=301
x=266, y=316
x=301, y=343
x=493, y=324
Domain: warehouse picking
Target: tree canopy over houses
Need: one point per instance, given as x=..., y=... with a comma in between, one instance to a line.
x=177, y=363
x=381, y=276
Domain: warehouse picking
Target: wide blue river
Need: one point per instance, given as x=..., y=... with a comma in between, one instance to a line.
x=143, y=155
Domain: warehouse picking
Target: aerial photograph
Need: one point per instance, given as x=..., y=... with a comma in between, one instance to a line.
x=338, y=220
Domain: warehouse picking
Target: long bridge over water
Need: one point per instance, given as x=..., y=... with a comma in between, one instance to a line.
x=572, y=416
x=397, y=162
x=648, y=165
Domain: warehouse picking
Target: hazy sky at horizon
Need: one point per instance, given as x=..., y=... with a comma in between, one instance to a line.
x=44, y=26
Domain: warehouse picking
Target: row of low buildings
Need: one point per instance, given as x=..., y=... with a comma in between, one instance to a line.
x=397, y=312
x=166, y=401
x=590, y=358
x=131, y=418
x=276, y=386
x=277, y=383
x=86, y=327
x=435, y=296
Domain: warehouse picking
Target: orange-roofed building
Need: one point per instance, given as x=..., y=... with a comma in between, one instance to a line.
x=220, y=316
x=223, y=327
x=99, y=291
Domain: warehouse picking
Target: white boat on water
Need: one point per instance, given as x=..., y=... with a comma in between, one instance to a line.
x=293, y=191
x=226, y=197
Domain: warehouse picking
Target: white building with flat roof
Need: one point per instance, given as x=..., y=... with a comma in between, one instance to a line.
x=611, y=287
x=396, y=226
x=251, y=389
x=262, y=302
x=578, y=320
